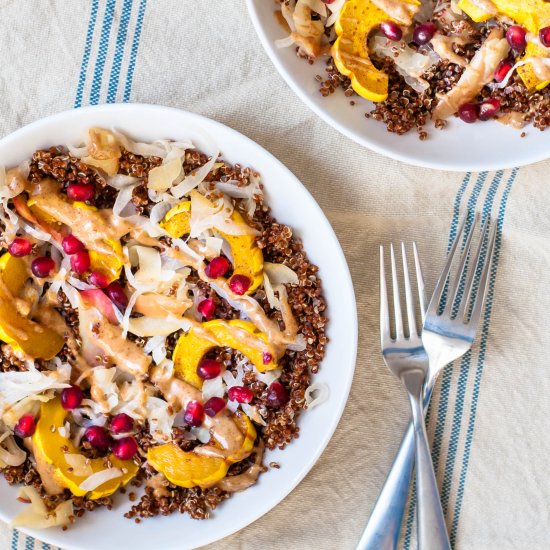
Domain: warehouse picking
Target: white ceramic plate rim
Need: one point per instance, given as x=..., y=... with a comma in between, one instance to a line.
x=345, y=291
x=536, y=153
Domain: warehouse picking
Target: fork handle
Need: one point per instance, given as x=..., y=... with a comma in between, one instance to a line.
x=432, y=530
x=384, y=525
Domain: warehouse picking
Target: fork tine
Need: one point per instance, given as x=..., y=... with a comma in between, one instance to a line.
x=455, y=286
x=384, y=309
x=396, y=301
x=420, y=283
x=483, y=283
x=411, y=318
x=438, y=292
x=468, y=286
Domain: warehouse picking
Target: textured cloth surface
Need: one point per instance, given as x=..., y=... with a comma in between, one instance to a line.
x=489, y=417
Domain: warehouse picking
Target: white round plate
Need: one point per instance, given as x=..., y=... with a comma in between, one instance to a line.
x=291, y=204
x=459, y=147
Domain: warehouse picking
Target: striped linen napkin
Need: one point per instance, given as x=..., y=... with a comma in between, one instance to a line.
x=489, y=415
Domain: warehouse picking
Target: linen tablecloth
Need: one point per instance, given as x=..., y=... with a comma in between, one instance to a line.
x=489, y=417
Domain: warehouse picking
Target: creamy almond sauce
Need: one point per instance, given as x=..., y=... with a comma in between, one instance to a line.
x=15, y=181
x=248, y=478
x=159, y=485
x=222, y=427
x=308, y=33
x=513, y=119
x=443, y=46
x=401, y=11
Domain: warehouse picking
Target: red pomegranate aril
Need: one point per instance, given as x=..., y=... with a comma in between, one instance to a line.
x=239, y=284
x=99, y=280
x=71, y=398
x=208, y=369
x=81, y=192
x=42, y=266
x=71, y=245
x=240, y=394
x=266, y=357
x=469, y=112
x=544, y=37
x=423, y=33
x=116, y=294
x=125, y=448
x=194, y=413
x=20, y=247
x=206, y=308
x=517, y=37
x=213, y=406
x=328, y=1
x=218, y=267
x=80, y=262
x=504, y=67
x=97, y=437
x=489, y=108
x=277, y=395
x=391, y=30
x=25, y=426
x=121, y=424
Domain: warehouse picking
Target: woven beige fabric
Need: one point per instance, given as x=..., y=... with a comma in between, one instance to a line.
x=490, y=421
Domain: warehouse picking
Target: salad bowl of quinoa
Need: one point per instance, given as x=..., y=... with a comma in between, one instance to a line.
x=456, y=85
x=178, y=329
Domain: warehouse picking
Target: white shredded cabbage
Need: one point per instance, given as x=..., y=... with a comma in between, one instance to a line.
x=280, y=274
x=79, y=463
x=103, y=381
x=213, y=388
x=161, y=419
x=163, y=177
x=37, y=516
x=99, y=478
x=267, y=377
x=10, y=453
x=316, y=394
x=270, y=294
x=193, y=179
x=157, y=326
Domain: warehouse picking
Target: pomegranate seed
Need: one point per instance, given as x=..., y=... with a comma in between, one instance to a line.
x=218, y=267
x=544, y=36
x=277, y=395
x=97, y=436
x=489, y=108
x=208, y=369
x=423, y=33
x=206, y=308
x=194, y=413
x=213, y=406
x=20, y=247
x=80, y=191
x=71, y=398
x=117, y=296
x=504, y=67
x=42, y=267
x=391, y=30
x=239, y=284
x=25, y=426
x=240, y=394
x=469, y=112
x=71, y=245
x=517, y=37
x=80, y=262
x=125, y=448
x=327, y=1
x=266, y=357
x=121, y=424
x=99, y=280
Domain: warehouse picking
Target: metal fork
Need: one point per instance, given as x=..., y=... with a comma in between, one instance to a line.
x=406, y=357
x=446, y=338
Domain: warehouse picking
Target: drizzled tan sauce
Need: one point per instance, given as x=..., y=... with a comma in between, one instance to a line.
x=15, y=181
x=308, y=33
x=513, y=119
x=222, y=427
x=443, y=46
x=477, y=74
x=485, y=5
x=123, y=353
x=92, y=227
x=398, y=10
x=248, y=478
x=159, y=485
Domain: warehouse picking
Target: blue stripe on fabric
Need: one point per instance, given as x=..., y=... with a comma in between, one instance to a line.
x=134, y=51
x=102, y=52
x=15, y=540
x=29, y=543
x=481, y=358
x=465, y=365
x=45, y=546
x=86, y=56
x=452, y=236
x=119, y=51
